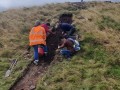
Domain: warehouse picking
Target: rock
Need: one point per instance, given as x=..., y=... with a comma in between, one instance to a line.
x=39, y=72
x=45, y=83
x=32, y=87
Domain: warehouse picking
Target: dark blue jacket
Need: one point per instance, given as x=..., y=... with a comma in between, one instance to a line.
x=66, y=27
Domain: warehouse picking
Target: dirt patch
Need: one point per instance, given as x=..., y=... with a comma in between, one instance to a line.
x=30, y=78
x=28, y=82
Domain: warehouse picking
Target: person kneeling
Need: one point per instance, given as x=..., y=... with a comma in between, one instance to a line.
x=68, y=47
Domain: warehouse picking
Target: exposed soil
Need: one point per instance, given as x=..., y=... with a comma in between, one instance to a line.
x=30, y=78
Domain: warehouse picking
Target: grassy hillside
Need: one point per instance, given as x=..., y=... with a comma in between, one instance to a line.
x=95, y=67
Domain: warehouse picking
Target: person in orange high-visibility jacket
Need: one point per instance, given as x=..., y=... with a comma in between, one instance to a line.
x=37, y=37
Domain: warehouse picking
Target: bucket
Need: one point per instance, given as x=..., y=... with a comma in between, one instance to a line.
x=40, y=51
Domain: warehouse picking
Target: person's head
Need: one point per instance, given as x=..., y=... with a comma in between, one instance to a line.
x=48, y=24
x=37, y=23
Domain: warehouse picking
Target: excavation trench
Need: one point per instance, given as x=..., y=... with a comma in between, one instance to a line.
x=32, y=73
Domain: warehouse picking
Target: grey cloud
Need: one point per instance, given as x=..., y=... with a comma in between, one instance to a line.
x=20, y=3
x=26, y=3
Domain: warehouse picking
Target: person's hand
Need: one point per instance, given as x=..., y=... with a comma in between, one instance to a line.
x=58, y=47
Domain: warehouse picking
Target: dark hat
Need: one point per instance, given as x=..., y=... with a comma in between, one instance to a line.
x=48, y=24
x=37, y=22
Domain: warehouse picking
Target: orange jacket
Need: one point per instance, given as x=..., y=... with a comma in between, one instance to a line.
x=37, y=36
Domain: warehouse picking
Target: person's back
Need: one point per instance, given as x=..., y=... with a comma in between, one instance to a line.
x=37, y=36
x=65, y=26
x=67, y=29
x=66, y=47
x=69, y=45
x=76, y=44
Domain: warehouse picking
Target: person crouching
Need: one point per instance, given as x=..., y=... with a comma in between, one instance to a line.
x=68, y=47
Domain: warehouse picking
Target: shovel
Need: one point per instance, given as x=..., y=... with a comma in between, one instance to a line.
x=8, y=72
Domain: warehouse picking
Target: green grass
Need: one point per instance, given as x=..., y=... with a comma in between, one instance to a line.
x=91, y=49
x=17, y=71
x=7, y=53
x=77, y=75
x=90, y=69
x=114, y=71
x=108, y=22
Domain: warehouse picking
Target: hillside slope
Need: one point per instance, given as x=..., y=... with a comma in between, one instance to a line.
x=95, y=67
